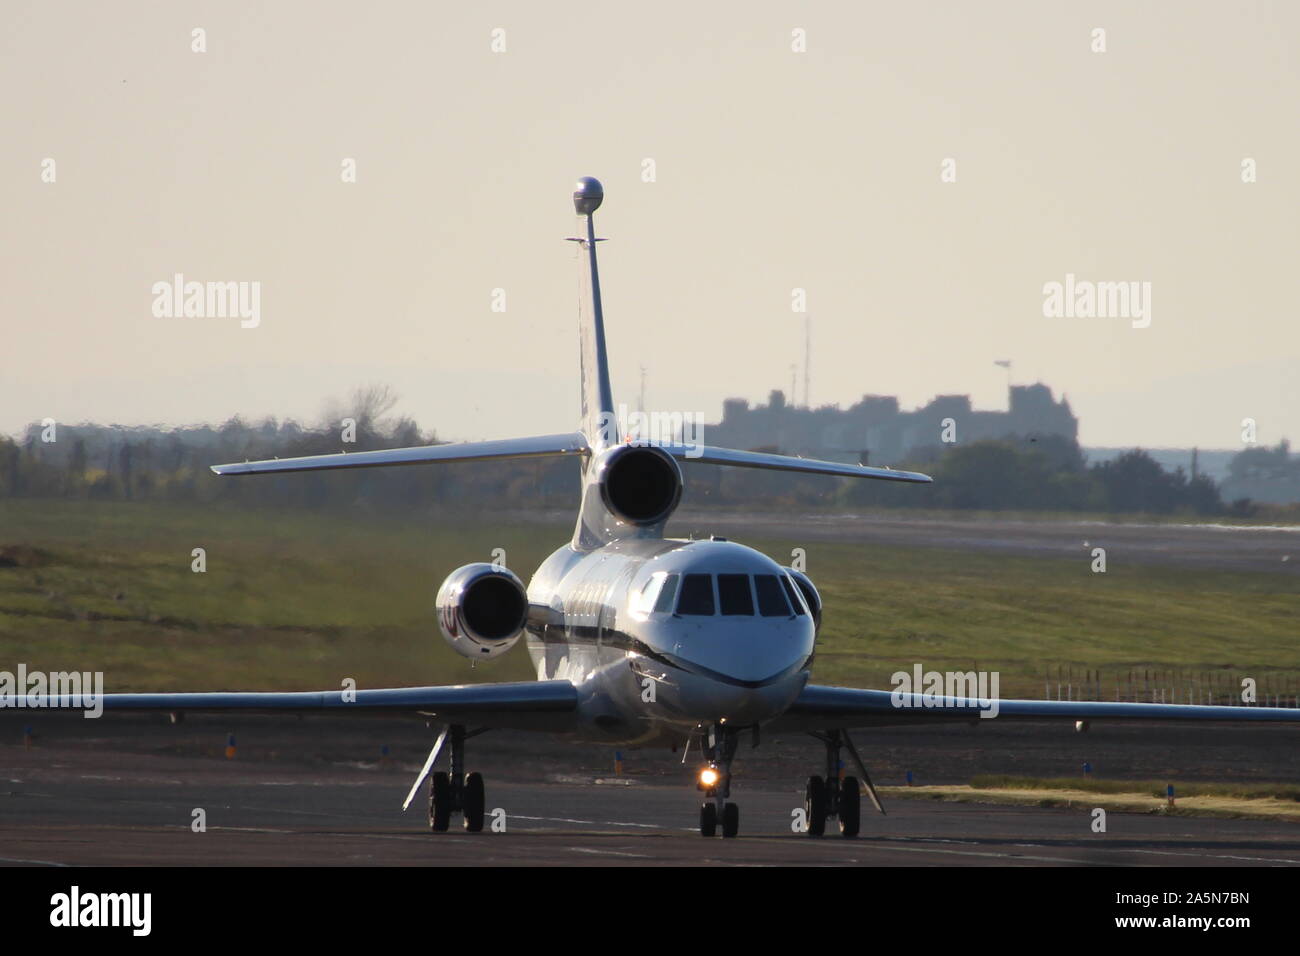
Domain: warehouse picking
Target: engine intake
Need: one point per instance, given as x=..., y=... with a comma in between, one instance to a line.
x=482, y=610
x=640, y=485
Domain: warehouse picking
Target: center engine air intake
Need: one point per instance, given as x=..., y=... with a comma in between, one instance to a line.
x=640, y=485
x=482, y=610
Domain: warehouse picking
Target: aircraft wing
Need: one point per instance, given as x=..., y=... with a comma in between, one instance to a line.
x=526, y=705
x=828, y=708
x=708, y=455
x=569, y=443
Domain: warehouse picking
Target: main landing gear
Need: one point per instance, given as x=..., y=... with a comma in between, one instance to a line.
x=456, y=792
x=832, y=797
x=715, y=781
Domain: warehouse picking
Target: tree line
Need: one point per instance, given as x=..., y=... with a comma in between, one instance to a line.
x=1051, y=473
x=1036, y=473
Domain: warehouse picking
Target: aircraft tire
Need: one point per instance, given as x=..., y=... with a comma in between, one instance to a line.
x=730, y=820
x=474, y=800
x=708, y=820
x=439, y=802
x=850, y=807
x=814, y=804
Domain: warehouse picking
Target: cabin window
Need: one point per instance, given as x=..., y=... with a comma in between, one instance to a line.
x=734, y=596
x=697, y=595
x=771, y=599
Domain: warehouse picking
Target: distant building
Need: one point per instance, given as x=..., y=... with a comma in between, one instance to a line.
x=875, y=425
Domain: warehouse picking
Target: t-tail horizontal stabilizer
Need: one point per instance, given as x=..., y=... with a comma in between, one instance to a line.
x=708, y=455
x=537, y=447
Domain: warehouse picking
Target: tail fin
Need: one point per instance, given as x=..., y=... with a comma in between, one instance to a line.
x=599, y=423
x=599, y=429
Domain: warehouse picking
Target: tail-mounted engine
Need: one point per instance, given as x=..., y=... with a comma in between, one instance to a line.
x=629, y=491
x=640, y=485
x=482, y=610
x=810, y=595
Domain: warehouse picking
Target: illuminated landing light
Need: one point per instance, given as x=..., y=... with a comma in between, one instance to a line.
x=709, y=778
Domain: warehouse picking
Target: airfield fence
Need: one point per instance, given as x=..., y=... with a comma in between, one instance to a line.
x=1154, y=686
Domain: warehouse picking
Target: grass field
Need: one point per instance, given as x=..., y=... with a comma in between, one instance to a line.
x=298, y=600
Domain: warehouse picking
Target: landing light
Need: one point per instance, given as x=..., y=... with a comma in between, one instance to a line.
x=708, y=778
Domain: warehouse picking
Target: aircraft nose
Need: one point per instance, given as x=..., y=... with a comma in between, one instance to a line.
x=748, y=682
x=714, y=700
x=745, y=657
x=741, y=670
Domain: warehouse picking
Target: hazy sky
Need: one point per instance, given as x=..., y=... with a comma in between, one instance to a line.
x=774, y=170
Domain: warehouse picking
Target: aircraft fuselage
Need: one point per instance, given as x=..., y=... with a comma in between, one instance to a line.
x=651, y=666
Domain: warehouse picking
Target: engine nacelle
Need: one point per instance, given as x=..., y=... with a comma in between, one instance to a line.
x=639, y=484
x=482, y=610
x=810, y=595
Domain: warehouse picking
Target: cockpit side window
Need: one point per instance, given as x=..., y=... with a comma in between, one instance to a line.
x=667, y=594
x=644, y=601
x=734, y=596
x=796, y=599
x=771, y=599
x=697, y=595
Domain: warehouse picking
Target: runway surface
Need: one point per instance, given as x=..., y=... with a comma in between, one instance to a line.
x=124, y=792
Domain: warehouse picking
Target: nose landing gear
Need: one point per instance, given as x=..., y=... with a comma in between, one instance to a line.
x=715, y=781
x=833, y=797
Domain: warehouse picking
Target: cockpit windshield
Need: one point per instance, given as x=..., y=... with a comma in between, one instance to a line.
x=697, y=595
x=736, y=595
x=771, y=599
x=792, y=592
